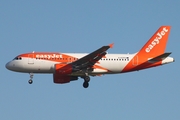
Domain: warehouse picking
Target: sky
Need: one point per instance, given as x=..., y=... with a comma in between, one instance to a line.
x=84, y=26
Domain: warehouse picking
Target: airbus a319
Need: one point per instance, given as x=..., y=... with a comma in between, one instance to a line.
x=67, y=67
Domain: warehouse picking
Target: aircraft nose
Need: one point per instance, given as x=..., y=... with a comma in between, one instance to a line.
x=8, y=65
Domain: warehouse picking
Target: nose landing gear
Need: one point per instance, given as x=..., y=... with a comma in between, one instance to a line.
x=31, y=77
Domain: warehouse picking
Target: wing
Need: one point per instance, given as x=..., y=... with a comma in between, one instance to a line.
x=86, y=63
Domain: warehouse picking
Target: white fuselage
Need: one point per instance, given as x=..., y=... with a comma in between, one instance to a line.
x=110, y=64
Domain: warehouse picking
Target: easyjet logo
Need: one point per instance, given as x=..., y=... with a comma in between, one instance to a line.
x=157, y=39
x=48, y=56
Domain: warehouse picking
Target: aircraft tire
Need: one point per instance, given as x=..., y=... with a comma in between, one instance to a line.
x=85, y=84
x=30, y=81
x=86, y=78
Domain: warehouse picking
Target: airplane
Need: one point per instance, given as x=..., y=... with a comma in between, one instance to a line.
x=67, y=67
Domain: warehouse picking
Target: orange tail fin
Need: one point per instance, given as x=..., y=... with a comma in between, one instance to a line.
x=152, y=50
x=157, y=43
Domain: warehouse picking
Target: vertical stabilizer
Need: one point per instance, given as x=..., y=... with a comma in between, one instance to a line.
x=157, y=43
x=155, y=47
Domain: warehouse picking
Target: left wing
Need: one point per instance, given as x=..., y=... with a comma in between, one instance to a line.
x=86, y=63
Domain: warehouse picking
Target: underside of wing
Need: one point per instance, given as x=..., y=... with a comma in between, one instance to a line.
x=86, y=63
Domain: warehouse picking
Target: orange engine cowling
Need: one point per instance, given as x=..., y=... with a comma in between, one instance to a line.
x=63, y=69
x=62, y=72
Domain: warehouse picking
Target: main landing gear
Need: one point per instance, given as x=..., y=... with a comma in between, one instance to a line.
x=86, y=81
x=31, y=77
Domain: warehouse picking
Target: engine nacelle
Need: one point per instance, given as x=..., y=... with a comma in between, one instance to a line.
x=63, y=78
x=62, y=72
x=63, y=69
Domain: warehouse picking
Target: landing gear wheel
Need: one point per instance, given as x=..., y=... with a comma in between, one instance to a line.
x=86, y=81
x=30, y=81
x=31, y=77
x=86, y=78
x=85, y=84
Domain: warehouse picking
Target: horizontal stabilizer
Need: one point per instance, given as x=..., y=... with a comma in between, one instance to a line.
x=160, y=57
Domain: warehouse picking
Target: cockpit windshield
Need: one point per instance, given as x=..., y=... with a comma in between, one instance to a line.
x=17, y=58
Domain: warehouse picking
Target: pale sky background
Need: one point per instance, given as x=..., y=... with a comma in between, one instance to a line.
x=84, y=26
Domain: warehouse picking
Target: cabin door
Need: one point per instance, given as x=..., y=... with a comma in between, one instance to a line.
x=31, y=59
